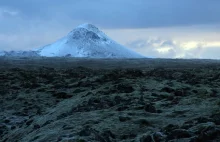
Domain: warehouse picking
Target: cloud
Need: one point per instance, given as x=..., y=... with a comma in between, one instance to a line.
x=210, y=53
x=5, y=12
x=173, y=49
x=167, y=43
x=35, y=37
x=121, y=14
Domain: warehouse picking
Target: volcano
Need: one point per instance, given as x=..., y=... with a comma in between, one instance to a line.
x=87, y=41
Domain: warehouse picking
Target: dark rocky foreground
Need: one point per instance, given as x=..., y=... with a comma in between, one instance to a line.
x=80, y=100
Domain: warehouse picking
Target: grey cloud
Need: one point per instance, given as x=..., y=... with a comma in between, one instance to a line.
x=210, y=53
x=148, y=48
x=176, y=51
x=167, y=43
x=195, y=53
x=148, y=42
x=139, y=44
x=123, y=13
x=4, y=12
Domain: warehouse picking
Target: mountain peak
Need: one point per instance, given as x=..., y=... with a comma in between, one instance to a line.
x=88, y=26
x=87, y=31
x=87, y=40
x=91, y=28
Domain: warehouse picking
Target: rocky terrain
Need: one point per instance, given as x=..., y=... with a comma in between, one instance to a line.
x=132, y=100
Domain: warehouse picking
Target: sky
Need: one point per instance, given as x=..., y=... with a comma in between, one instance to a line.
x=154, y=28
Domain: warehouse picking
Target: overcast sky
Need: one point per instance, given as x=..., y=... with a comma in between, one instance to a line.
x=155, y=28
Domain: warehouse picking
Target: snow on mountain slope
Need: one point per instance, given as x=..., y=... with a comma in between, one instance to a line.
x=19, y=53
x=2, y=53
x=87, y=41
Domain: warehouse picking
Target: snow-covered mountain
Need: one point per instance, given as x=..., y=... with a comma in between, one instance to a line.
x=84, y=41
x=19, y=53
x=87, y=41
